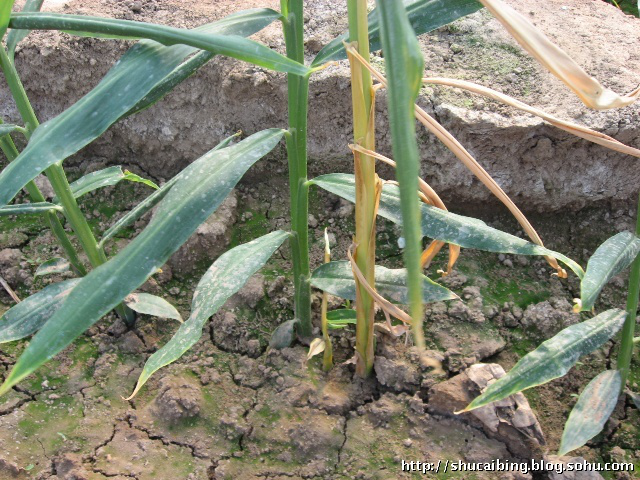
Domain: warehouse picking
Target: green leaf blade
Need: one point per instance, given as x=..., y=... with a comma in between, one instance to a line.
x=610, y=258
x=143, y=69
x=16, y=36
x=554, y=357
x=28, y=316
x=148, y=304
x=592, y=410
x=337, y=279
x=52, y=266
x=36, y=208
x=225, y=277
x=442, y=225
x=424, y=16
x=198, y=192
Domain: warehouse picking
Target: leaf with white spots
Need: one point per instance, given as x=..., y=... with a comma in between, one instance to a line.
x=591, y=411
x=26, y=317
x=139, y=72
x=228, y=274
x=611, y=258
x=152, y=305
x=553, y=358
x=29, y=208
x=337, y=279
x=53, y=265
x=443, y=225
x=197, y=193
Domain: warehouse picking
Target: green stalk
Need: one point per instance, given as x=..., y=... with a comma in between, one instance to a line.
x=11, y=152
x=298, y=104
x=628, y=330
x=365, y=173
x=58, y=178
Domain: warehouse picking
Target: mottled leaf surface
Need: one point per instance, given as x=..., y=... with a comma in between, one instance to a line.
x=228, y=274
x=26, y=317
x=443, y=225
x=337, y=279
x=611, y=258
x=53, y=265
x=199, y=190
x=592, y=410
x=152, y=305
x=554, y=358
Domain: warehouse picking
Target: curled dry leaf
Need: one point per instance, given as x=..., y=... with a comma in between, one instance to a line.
x=316, y=347
x=554, y=59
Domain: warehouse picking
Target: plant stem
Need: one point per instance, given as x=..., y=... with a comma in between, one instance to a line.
x=298, y=104
x=365, y=177
x=11, y=152
x=58, y=178
x=628, y=330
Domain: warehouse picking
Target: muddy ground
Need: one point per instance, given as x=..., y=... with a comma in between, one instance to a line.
x=231, y=409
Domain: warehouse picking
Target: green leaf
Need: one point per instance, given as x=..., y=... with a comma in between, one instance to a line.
x=54, y=265
x=26, y=317
x=424, y=16
x=199, y=190
x=284, y=335
x=5, y=13
x=142, y=69
x=442, y=225
x=16, y=36
x=104, y=178
x=554, y=358
x=29, y=208
x=233, y=46
x=336, y=278
x=344, y=315
x=152, y=305
x=611, y=258
x=225, y=277
x=404, y=66
x=592, y=410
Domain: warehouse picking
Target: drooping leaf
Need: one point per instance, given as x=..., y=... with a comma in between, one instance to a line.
x=284, y=335
x=442, y=225
x=554, y=358
x=233, y=46
x=53, y=265
x=592, y=410
x=142, y=69
x=29, y=208
x=424, y=15
x=199, y=190
x=152, y=305
x=611, y=258
x=337, y=279
x=26, y=317
x=16, y=36
x=228, y=274
x=104, y=178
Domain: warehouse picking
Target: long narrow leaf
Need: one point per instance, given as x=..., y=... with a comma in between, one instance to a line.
x=424, y=15
x=29, y=208
x=336, y=278
x=5, y=13
x=16, y=36
x=142, y=69
x=29, y=315
x=7, y=128
x=442, y=225
x=592, y=410
x=198, y=192
x=54, y=265
x=229, y=45
x=225, y=277
x=404, y=65
x=152, y=305
x=611, y=258
x=555, y=357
